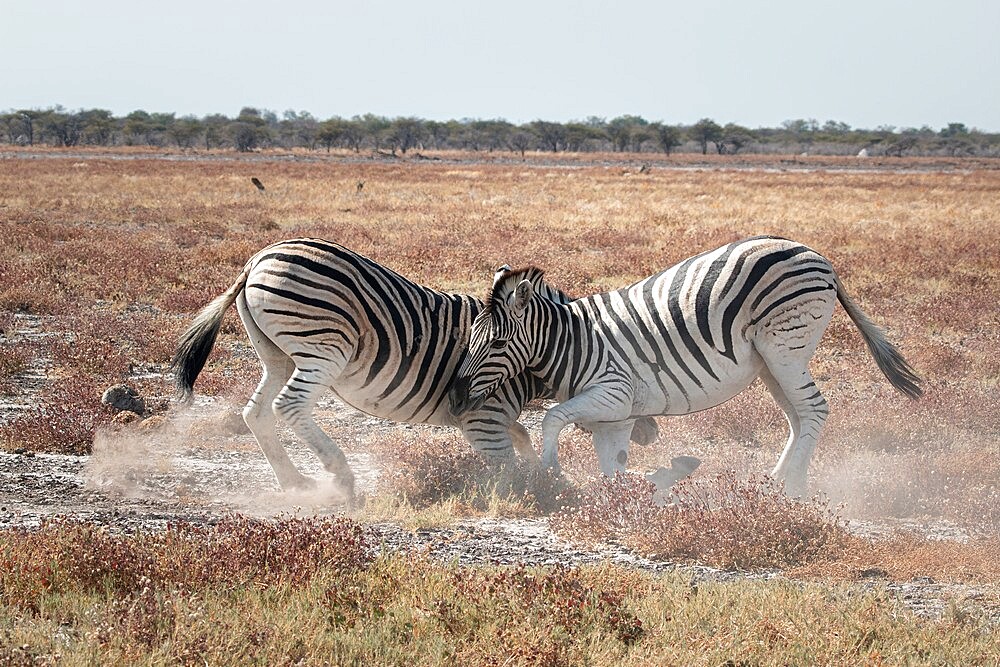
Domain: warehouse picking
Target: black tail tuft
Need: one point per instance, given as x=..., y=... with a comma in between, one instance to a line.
x=199, y=339
x=889, y=359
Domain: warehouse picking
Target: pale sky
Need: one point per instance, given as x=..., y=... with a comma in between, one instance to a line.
x=863, y=62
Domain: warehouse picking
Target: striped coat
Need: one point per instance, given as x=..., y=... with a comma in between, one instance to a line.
x=686, y=339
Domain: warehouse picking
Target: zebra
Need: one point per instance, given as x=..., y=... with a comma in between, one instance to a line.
x=686, y=339
x=321, y=316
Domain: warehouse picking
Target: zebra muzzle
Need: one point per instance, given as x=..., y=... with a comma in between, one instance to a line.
x=459, y=399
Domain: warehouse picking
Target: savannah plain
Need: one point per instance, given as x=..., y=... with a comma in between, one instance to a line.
x=105, y=257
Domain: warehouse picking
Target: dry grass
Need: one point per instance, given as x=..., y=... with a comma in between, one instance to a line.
x=116, y=254
x=721, y=520
x=310, y=592
x=432, y=479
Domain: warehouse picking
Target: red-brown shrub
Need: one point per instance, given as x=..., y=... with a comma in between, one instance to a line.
x=721, y=520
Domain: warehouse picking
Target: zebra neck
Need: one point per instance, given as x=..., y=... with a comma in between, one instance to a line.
x=556, y=326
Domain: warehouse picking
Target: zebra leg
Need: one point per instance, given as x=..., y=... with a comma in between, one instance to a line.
x=258, y=414
x=294, y=405
x=521, y=440
x=491, y=437
x=806, y=410
x=611, y=441
x=599, y=403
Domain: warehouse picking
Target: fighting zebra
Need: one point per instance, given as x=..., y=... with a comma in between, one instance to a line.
x=683, y=340
x=321, y=317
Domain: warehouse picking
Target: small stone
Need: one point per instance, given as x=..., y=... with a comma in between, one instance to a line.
x=232, y=423
x=152, y=423
x=124, y=418
x=123, y=397
x=873, y=573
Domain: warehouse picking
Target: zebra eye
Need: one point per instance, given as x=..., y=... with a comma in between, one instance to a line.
x=499, y=343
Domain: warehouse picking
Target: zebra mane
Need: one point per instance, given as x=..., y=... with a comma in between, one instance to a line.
x=505, y=285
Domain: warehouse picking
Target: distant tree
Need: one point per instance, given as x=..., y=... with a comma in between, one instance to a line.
x=437, y=133
x=243, y=135
x=580, y=135
x=405, y=133
x=10, y=124
x=306, y=129
x=215, y=130
x=492, y=133
x=373, y=128
x=956, y=146
x=623, y=132
x=619, y=132
x=353, y=135
x=331, y=131
x=62, y=127
x=801, y=130
x=136, y=128
x=160, y=126
x=250, y=129
x=954, y=130
x=551, y=135
x=98, y=126
x=704, y=131
x=297, y=128
x=836, y=127
x=184, y=131
x=29, y=118
x=901, y=145
x=668, y=137
x=640, y=135
x=520, y=140
x=734, y=138
x=801, y=126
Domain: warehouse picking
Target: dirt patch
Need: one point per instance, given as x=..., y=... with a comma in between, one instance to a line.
x=182, y=473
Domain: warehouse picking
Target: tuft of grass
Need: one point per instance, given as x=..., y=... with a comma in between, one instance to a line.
x=64, y=556
x=13, y=361
x=64, y=420
x=433, y=479
x=720, y=520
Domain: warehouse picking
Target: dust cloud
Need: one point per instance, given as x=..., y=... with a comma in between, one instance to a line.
x=202, y=458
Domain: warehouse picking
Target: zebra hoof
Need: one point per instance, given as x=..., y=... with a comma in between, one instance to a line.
x=297, y=483
x=356, y=502
x=793, y=488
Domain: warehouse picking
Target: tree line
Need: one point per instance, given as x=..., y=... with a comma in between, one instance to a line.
x=253, y=129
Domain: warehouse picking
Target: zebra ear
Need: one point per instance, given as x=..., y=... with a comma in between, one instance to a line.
x=522, y=295
x=501, y=271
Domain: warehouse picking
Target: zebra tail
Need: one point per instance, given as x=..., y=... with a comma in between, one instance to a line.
x=196, y=343
x=889, y=359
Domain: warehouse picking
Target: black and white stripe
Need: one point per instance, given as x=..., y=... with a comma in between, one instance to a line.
x=683, y=340
x=322, y=317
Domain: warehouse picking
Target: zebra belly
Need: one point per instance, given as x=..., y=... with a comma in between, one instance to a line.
x=371, y=399
x=670, y=394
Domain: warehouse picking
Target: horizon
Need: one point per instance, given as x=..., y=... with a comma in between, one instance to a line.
x=582, y=120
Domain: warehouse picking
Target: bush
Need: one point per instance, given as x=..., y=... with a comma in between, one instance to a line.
x=721, y=520
x=425, y=471
x=66, y=556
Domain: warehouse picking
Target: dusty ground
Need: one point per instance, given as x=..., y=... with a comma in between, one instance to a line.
x=133, y=483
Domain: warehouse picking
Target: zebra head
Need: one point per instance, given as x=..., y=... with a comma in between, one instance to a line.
x=500, y=345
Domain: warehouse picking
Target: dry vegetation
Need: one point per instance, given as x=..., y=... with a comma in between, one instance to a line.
x=311, y=592
x=114, y=255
